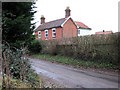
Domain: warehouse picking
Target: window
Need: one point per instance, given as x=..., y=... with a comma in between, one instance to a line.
x=53, y=32
x=46, y=33
x=78, y=32
x=39, y=34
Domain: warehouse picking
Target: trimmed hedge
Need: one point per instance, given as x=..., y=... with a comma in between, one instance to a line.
x=98, y=48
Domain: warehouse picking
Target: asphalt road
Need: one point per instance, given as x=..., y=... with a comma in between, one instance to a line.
x=72, y=77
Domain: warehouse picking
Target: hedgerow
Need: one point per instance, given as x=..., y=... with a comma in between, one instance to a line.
x=97, y=48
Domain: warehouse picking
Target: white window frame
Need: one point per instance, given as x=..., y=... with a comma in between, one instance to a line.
x=53, y=33
x=78, y=31
x=46, y=33
x=39, y=34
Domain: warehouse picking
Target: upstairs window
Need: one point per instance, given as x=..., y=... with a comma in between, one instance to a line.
x=46, y=33
x=39, y=34
x=78, y=32
x=53, y=32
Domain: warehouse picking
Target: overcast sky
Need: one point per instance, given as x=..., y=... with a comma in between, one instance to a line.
x=96, y=14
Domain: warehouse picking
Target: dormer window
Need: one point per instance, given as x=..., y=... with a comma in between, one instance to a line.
x=53, y=32
x=46, y=33
x=39, y=34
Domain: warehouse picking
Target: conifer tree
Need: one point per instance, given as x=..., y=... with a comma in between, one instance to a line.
x=16, y=23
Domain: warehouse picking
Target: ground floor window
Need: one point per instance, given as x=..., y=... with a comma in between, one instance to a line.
x=46, y=33
x=39, y=34
x=53, y=32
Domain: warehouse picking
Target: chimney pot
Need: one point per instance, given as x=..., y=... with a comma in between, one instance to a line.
x=67, y=12
x=42, y=19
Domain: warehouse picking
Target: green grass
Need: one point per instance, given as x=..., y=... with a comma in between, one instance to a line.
x=74, y=62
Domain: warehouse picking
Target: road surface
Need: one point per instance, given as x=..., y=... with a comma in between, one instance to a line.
x=72, y=77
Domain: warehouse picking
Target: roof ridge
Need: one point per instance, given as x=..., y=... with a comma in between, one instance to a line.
x=54, y=20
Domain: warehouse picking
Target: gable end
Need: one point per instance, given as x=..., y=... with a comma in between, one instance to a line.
x=67, y=20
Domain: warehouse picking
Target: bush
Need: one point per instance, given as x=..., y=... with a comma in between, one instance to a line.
x=49, y=47
x=17, y=67
x=35, y=46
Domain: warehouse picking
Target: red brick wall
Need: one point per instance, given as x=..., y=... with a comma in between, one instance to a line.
x=42, y=35
x=69, y=29
x=58, y=34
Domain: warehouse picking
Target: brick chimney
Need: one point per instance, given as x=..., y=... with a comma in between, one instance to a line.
x=42, y=19
x=67, y=12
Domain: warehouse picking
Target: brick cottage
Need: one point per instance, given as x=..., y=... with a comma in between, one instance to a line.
x=61, y=28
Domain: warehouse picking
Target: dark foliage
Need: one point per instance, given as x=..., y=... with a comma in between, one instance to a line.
x=17, y=26
x=17, y=32
x=18, y=67
x=35, y=47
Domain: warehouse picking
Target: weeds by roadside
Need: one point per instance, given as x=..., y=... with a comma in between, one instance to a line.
x=75, y=62
x=16, y=67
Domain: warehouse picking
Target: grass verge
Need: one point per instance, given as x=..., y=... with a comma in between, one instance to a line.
x=72, y=61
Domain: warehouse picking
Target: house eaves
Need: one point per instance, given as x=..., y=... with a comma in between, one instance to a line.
x=67, y=20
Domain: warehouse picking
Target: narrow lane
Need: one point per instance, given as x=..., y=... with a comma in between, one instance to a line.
x=72, y=77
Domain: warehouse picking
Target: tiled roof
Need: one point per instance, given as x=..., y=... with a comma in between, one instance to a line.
x=82, y=25
x=58, y=23
x=51, y=24
x=105, y=32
